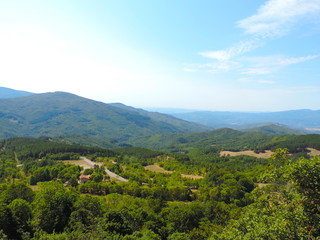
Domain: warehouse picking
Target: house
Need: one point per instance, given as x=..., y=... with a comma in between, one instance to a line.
x=84, y=178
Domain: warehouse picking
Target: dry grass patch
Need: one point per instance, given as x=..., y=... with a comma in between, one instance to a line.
x=80, y=163
x=157, y=168
x=266, y=154
x=260, y=185
x=192, y=176
x=313, y=152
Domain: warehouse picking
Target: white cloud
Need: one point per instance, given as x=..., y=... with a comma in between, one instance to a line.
x=229, y=53
x=269, y=64
x=266, y=81
x=187, y=69
x=289, y=61
x=256, y=71
x=275, y=17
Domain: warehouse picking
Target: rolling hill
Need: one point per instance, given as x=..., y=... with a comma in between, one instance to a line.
x=63, y=114
x=227, y=139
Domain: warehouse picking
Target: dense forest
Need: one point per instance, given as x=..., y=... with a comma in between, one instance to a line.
x=196, y=194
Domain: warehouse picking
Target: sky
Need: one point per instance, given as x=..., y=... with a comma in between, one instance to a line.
x=232, y=55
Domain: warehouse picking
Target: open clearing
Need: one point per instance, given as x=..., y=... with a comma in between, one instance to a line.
x=80, y=163
x=157, y=168
x=266, y=154
x=313, y=152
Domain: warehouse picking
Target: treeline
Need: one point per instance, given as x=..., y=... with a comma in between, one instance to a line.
x=295, y=143
x=228, y=139
x=54, y=212
x=26, y=148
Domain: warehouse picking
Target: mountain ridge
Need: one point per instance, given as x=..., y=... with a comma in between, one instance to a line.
x=12, y=93
x=57, y=114
x=300, y=119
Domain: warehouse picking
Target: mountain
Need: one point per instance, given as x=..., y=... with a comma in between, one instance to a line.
x=63, y=114
x=301, y=119
x=11, y=93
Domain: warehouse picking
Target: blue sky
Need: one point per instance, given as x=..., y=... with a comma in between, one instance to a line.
x=208, y=55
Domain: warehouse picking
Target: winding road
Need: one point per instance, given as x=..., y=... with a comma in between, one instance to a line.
x=111, y=174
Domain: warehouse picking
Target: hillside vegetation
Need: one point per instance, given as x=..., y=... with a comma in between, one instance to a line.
x=41, y=198
x=228, y=139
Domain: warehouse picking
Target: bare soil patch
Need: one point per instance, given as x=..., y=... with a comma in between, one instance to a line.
x=260, y=185
x=157, y=168
x=266, y=154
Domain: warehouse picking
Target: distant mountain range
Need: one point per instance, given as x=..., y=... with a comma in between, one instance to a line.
x=61, y=114
x=306, y=120
x=88, y=122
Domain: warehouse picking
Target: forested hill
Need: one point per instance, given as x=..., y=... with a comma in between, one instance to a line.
x=59, y=113
x=227, y=139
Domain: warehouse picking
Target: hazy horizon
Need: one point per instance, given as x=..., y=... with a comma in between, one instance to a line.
x=248, y=56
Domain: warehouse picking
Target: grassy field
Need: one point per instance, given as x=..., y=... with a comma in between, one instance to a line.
x=157, y=168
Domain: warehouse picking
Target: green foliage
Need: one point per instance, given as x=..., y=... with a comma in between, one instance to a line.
x=274, y=215
x=21, y=214
x=226, y=204
x=52, y=207
x=87, y=211
x=26, y=148
x=19, y=190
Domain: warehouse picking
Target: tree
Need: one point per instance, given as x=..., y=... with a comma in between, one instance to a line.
x=52, y=207
x=280, y=156
x=17, y=190
x=22, y=215
x=86, y=214
x=6, y=222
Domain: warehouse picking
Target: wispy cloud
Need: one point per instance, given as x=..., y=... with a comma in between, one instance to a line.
x=229, y=53
x=269, y=64
x=272, y=20
x=276, y=17
x=260, y=81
